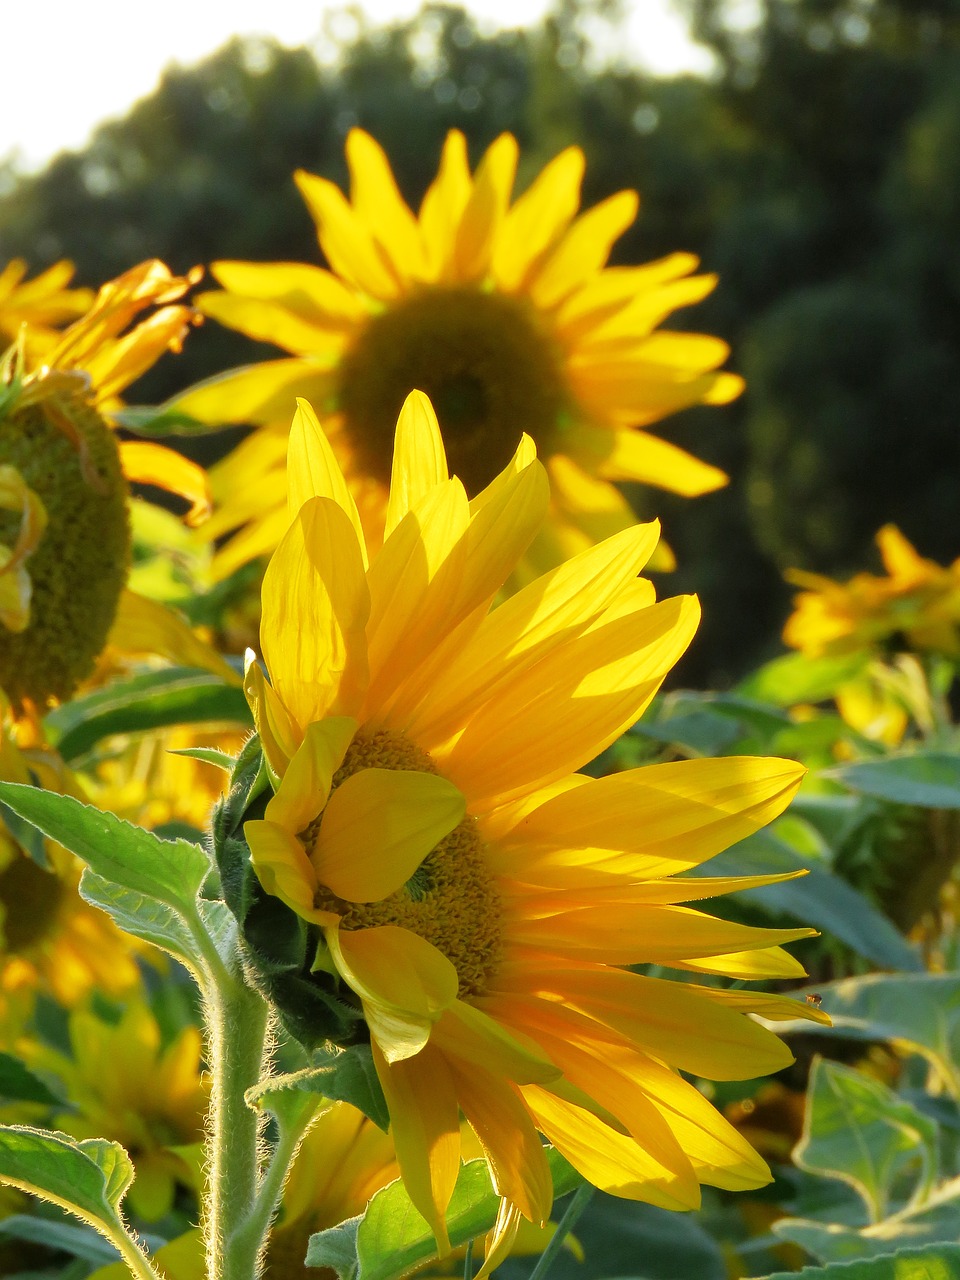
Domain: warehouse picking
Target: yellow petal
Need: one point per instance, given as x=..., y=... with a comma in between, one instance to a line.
x=586, y=693
x=259, y=393
x=485, y=209
x=143, y=626
x=500, y=1240
x=443, y=206
x=419, y=460
x=281, y=864
x=502, y=1123
x=314, y=472
x=469, y=1034
x=764, y=962
x=541, y=214
x=652, y=821
x=646, y=459
x=377, y=828
x=305, y=783
x=381, y=208
x=405, y=984
x=425, y=1127
x=272, y=322
x=279, y=736
x=145, y=462
x=315, y=606
x=348, y=245
x=317, y=296
x=584, y=249
x=612, y=1161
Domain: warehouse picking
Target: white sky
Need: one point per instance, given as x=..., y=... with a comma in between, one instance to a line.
x=69, y=64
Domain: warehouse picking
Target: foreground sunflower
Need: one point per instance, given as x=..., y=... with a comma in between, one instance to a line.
x=504, y=314
x=915, y=606
x=467, y=891
x=64, y=525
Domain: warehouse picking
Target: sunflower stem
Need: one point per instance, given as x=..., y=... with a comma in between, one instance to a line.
x=236, y=1020
x=468, y=1262
x=581, y=1199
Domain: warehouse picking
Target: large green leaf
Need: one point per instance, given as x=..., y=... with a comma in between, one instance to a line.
x=857, y=1130
x=392, y=1239
x=920, y=1011
x=819, y=898
x=143, y=917
x=171, y=871
x=936, y=1221
x=87, y=1178
x=154, y=700
x=929, y=779
x=935, y=1262
x=17, y=1084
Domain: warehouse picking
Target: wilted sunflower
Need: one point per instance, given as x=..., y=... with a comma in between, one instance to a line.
x=477, y=896
x=916, y=606
x=43, y=304
x=64, y=528
x=504, y=314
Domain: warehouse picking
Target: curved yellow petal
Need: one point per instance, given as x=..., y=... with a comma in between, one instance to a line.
x=538, y=218
x=584, y=249
x=344, y=238
x=145, y=462
x=146, y=626
x=282, y=865
x=315, y=606
x=259, y=393
x=379, y=205
x=419, y=459
x=377, y=828
x=313, y=294
x=272, y=322
x=470, y=1035
x=279, y=736
x=305, y=783
x=314, y=472
x=636, y=455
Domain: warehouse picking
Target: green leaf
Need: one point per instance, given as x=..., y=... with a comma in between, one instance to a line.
x=919, y=1011
x=392, y=1238
x=17, y=1084
x=154, y=700
x=857, y=1130
x=171, y=871
x=935, y=1262
x=139, y=915
x=81, y=1242
x=208, y=755
x=87, y=1178
x=936, y=1221
x=819, y=898
x=336, y=1248
x=929, y=779
x=795, y=678
x=346, y=1075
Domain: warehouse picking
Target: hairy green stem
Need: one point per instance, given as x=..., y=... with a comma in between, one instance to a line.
x=137, y=1261
x=236, y=1026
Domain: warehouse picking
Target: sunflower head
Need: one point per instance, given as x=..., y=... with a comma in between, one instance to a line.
x=64, y=527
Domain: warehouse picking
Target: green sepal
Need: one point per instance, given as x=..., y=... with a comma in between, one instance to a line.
x=340, y=1075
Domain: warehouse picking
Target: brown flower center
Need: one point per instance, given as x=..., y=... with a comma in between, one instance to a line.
x=485, y=360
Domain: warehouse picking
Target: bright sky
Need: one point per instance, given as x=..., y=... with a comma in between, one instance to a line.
x=69, y=64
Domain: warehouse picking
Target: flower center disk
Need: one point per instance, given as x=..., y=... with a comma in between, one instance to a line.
x=68, y=456
x=487, y=364
x=451, y=901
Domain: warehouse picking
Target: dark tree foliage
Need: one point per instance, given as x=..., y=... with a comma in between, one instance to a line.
x=818, y=172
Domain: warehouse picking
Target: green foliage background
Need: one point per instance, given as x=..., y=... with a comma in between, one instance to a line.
x=818, y=171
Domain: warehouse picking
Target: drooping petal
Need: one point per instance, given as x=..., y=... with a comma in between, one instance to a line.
x=377, y=828
x=305, y=784
x=425, y=1126
x=147, y=626
x=145, y=462
x=282, y=865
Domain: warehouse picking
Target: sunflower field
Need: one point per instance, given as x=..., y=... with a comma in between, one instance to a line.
x=479, y=744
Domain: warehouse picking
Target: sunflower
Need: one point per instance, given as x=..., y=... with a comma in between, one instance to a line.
x=64, y=525
x=474, y=896
x=124, y=1084
x=915, y=606
x=504, y=314
x=43, y=304
x=50, y=939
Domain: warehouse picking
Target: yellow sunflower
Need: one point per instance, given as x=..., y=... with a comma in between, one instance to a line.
x=915, y=606
x=50, y=939
x=503, y=313
x=64, y=524
x=473, y=895
x=43, y=304
x=124, y=1084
